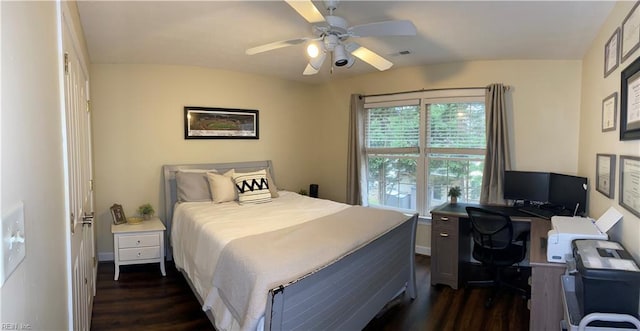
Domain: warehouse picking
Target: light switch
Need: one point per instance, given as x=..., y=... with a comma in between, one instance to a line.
x=13, y=241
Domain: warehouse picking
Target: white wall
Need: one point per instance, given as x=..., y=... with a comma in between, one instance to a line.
x=592, y=141
x=32, y=167
x=544, y=105
x=543, y=110
x=138, y=126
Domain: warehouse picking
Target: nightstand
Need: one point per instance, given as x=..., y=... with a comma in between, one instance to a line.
x=138, y=244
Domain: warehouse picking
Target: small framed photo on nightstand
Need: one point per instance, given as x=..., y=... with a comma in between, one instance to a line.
x=118, y=214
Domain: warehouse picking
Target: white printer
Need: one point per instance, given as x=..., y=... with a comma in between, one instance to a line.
x=566, y=229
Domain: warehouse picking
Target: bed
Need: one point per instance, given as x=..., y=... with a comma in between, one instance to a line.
x=348, y=261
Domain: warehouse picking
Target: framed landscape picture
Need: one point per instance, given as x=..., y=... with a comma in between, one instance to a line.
x=220, y=123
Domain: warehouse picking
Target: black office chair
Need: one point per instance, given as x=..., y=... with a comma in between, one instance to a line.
x=496, y=248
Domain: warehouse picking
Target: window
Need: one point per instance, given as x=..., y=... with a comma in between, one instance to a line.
x=417, y=148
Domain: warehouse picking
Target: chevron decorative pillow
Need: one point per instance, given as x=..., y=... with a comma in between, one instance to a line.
x=252, y=187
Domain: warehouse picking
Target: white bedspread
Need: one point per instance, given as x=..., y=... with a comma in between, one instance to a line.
x=200, y=231
x=249, y=267
x=246, y=241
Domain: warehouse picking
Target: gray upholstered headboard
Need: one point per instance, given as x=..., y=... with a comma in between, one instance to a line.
x=170, y=191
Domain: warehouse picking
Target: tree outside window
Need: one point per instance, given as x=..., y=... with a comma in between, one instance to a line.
x=416, y=149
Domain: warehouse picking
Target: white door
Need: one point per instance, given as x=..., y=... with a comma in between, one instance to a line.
x=79, y=180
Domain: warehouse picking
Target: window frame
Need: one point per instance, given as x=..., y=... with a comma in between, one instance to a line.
x=421, y=99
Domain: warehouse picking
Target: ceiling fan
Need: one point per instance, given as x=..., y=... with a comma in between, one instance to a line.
x=331, y=35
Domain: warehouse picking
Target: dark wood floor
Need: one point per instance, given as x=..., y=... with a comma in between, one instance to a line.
x=144, y=300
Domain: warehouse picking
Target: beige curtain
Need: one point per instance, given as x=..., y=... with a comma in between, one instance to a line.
x=356, y=184
x=497, y=159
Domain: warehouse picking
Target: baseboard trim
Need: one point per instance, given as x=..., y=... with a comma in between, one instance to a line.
x=108, y=256
x=422, y=250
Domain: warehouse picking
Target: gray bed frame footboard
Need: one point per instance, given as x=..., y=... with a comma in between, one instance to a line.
x=347, y=294
x=344, y=295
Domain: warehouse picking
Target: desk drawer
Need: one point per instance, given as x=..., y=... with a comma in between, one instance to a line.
x=142, y=253
x=444, y=219
x=144, y=240
x=444, y=232
x=444, y=250
x=444, y=223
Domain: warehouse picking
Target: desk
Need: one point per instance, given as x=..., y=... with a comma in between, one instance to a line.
x=450, y=240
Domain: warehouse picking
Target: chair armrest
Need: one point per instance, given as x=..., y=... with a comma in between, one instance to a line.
x=523, y=237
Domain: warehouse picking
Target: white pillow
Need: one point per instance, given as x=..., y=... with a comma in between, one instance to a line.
x=253, y=187
x=222, y=186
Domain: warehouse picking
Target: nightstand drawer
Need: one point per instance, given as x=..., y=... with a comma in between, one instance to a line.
x=139, y=240
x=142, y=253
x=139, y=243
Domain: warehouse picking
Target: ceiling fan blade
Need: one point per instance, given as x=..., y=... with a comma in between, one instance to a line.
x=386, y=28
x=275, y=45
x=368, y=56
x=306, y=9
x=310, y=70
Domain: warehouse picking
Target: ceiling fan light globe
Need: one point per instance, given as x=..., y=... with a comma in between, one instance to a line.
x=351, y=61
x=340, y=56
x=316, y=62
x=313, y=51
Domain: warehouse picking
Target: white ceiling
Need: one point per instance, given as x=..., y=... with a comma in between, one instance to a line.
x=216, y=33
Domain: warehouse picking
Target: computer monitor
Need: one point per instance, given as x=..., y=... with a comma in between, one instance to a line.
x=526, y=186
x=568, y=191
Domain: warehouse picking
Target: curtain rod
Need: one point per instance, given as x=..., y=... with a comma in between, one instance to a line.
x=431, y=90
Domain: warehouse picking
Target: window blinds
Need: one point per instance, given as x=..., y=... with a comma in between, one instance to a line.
x=456, y=125
x=393, y=130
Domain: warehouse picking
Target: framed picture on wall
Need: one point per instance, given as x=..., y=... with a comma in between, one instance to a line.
x=630, y=102
x=605, y=174
x=630, y=31
x=610, y=112
x=220, y=123
x=612, y=53
x=629, y=196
